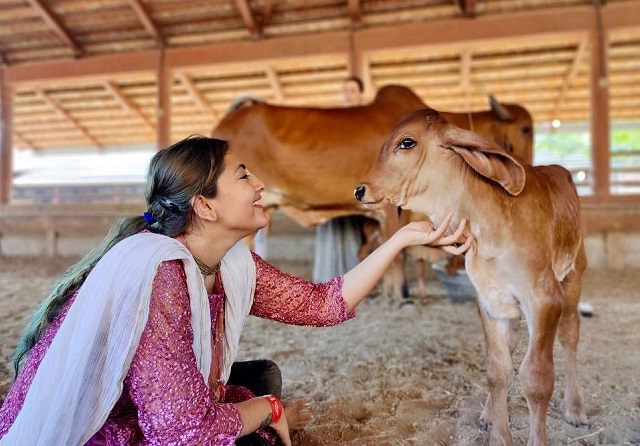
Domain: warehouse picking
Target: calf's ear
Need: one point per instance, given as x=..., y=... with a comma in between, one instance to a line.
x=486, y=158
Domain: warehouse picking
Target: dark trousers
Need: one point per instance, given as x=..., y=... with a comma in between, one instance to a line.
x=261, y=377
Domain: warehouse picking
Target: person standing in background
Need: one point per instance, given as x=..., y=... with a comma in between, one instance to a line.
x=338, y=240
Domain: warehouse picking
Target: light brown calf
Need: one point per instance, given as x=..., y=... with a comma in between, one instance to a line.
x=528, y=254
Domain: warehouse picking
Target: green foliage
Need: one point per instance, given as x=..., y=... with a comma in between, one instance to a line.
x=625, y=140
x=561, y=143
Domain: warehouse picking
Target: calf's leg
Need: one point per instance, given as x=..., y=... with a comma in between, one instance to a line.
x=569, y=333
x=536, y=371
x=495, y=417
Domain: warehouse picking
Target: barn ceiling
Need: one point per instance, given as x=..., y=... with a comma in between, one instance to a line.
x=84, y=73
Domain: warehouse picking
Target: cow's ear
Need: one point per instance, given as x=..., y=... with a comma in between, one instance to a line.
x=487, y=158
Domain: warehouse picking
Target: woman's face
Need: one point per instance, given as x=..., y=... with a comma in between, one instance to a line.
x=236, y=204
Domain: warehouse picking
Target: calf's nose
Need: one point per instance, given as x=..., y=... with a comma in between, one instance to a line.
x=359, y=192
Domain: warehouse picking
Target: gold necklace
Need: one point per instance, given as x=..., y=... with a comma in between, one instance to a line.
x=205, y=269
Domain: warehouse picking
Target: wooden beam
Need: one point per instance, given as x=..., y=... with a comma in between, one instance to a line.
x=66, y=115
x=267, y=13
x=354, y=59
x=465, y=75
x=57, y=27
x=462, y=33
x=456, y=33
x=126, y=103
x=88, y=69
x=164, y=81
x=355, y=12
x=467, y=7
x=600, y=101
x=195, y=94
x=147, y=22
x=268, y=51
x=571, y=74
x=276, y=86
x=23, y=140
x=465, y=69
x=6, y=143
x=367, y=79
x=248, y=18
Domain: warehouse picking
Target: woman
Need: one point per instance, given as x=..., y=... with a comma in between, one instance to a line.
x=137, y=343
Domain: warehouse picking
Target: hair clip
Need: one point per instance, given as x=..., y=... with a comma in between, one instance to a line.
x=167, y=204
x=150, y=220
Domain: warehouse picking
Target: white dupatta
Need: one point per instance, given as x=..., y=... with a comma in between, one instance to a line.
x=82, y=373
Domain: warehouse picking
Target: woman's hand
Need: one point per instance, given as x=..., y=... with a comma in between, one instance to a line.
x=298, y=415
x=423, y=233
x=282, y=429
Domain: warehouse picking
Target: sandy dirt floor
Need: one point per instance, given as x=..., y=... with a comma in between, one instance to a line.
x=412, y=376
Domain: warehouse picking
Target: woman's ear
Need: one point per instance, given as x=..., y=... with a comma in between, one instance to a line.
x=203, y=208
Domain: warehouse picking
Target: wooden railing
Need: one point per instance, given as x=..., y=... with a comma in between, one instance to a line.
x=623, y=181
x=120, y=193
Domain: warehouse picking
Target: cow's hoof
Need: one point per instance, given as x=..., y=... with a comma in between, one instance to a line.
x=406, y=303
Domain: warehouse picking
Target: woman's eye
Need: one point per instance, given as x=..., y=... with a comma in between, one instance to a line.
x=406, y=143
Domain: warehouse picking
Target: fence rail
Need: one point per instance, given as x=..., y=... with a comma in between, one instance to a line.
x=623, y=181
x=120, y=193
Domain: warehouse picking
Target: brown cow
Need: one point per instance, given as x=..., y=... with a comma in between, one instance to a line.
x=311, y=158
x=528, y=254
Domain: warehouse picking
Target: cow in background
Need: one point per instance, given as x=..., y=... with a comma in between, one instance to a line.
x=527, y=256
x=311, y=158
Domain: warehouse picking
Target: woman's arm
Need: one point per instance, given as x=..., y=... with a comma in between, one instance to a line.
x=256, y=414
x=361, y=279
x=292, y=300
x=289, y=299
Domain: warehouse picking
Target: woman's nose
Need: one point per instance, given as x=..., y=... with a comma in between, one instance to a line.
x=259, y=185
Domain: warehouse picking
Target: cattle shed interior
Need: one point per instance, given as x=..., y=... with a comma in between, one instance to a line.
x=104, y=76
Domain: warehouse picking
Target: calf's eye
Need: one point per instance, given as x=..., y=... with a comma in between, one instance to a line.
x=406, y=143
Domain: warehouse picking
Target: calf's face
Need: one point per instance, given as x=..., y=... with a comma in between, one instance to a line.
x=424, y=153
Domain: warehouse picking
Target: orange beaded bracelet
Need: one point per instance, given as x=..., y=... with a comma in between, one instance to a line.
x=276, y=408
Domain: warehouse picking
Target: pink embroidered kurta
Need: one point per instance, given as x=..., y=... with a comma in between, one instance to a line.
x=165, y=400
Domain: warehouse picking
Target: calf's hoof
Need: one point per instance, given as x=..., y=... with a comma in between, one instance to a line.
x=485, y=424
x=577, y=418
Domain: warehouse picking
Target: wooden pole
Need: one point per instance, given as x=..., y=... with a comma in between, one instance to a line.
x=163, y=125
x=600, y=127
x=6, y=142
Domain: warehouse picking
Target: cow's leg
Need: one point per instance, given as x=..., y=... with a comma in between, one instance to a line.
x=421, y=274
x=395, y=280
x=569, y=333
x=495, y=417
x=542, y=310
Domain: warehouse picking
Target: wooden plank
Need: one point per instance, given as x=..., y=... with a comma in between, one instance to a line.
x=248, y=18
x=195, y=95
x=66, y=115
x=163, y=110
x=6, y=138
x=147, y=22
x=88, y=69
x=56, y=26
x=127, y=104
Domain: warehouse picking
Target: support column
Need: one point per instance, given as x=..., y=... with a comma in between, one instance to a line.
x=163, y=121
x=600, y=124
x=354, y=61
x=6, y=139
